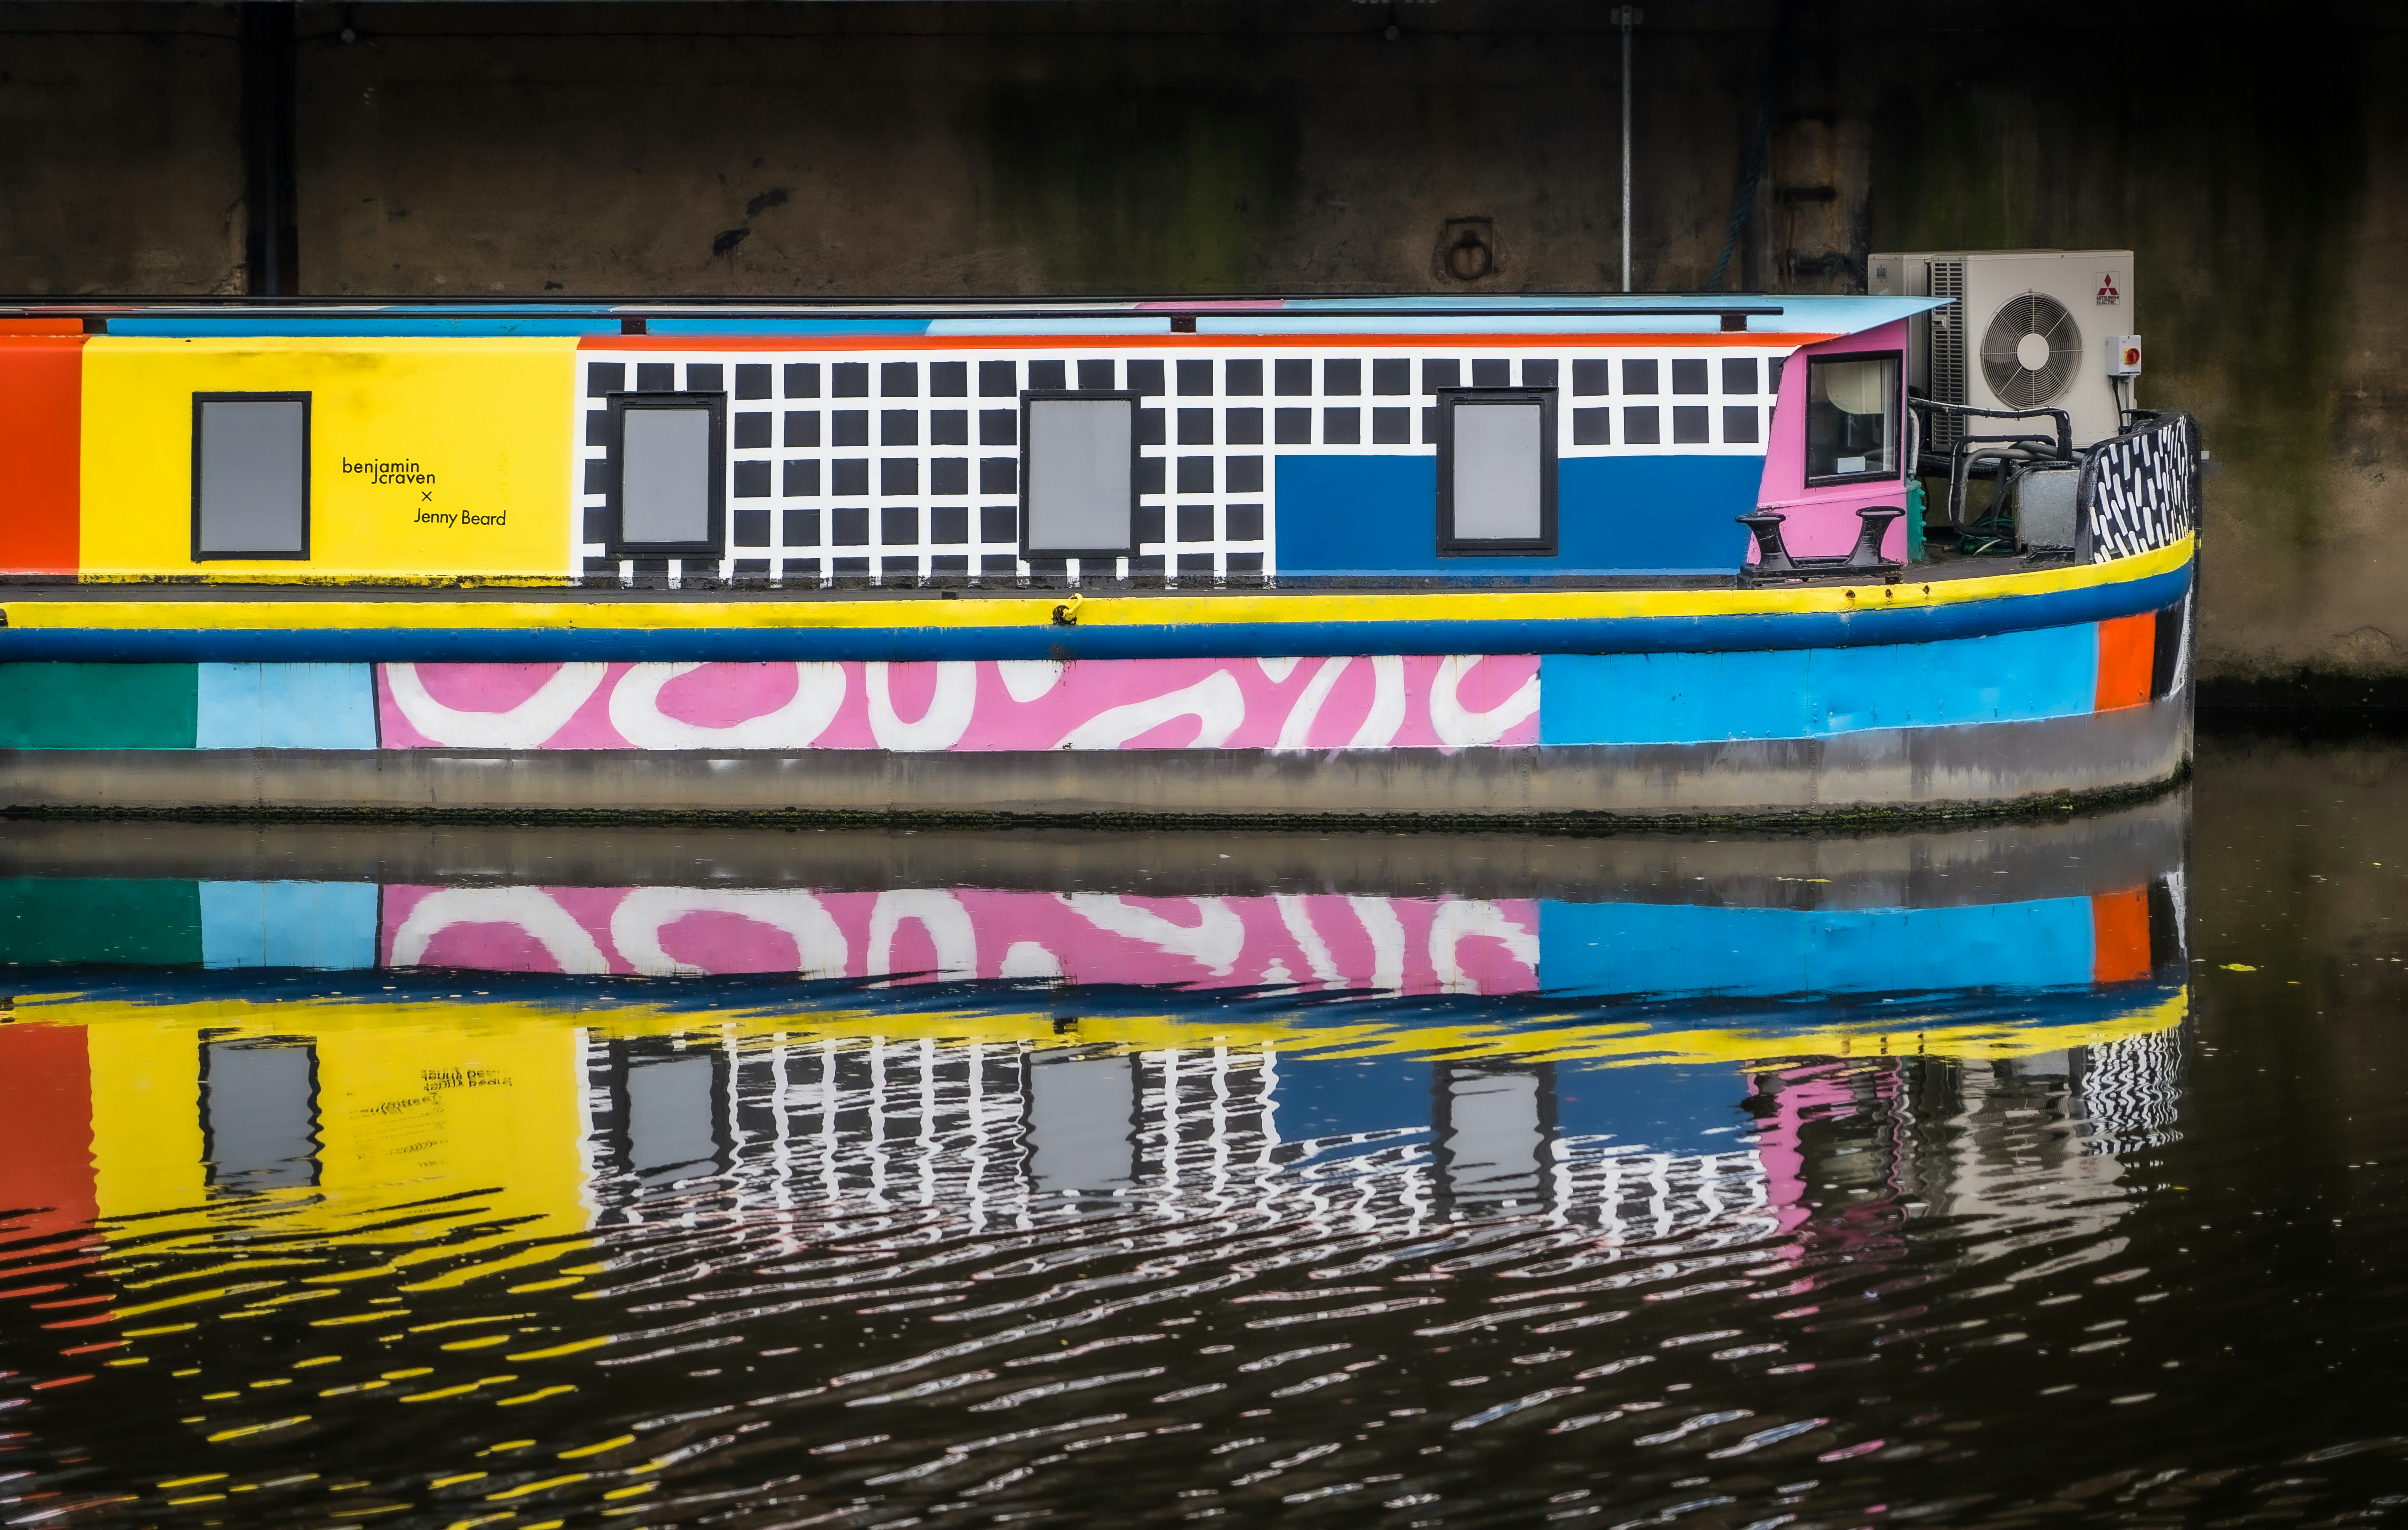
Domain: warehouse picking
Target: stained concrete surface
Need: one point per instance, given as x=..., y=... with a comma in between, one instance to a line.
x=1917, y=867
x=1879, y=771
x=2260, y=171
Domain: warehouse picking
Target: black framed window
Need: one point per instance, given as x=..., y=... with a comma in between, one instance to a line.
x=250, y=476
x=1497, y=472
x=1853, y=406
x=668, y=474
x=1078, y=475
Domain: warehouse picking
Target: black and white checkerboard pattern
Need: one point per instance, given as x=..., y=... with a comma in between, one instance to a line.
x=2140, y=491
x=903, y=469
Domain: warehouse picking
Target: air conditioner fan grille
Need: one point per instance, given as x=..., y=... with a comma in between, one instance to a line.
x=2008, y=363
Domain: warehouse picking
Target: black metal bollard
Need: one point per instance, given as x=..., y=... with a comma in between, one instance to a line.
x=1773, y=555
x=1876, y=521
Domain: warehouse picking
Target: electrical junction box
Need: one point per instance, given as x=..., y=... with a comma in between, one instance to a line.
x=2123, y=355
x=2023, y=329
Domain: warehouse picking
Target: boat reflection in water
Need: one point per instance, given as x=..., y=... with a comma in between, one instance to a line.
x=776, y=1179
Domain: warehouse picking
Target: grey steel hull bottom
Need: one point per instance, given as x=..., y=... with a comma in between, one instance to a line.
x=1971, y=767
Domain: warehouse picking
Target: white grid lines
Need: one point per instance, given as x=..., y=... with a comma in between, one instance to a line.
x=880, y=466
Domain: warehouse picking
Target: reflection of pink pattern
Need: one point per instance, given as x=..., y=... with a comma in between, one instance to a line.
x=1363, y=702
x=1315, y=940
x=1819, y=1091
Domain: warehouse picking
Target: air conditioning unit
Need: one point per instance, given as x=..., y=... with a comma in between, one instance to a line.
x=2025, y=329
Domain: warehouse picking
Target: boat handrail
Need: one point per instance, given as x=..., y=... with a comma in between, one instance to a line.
x=1999, y=453
x=2139, y=490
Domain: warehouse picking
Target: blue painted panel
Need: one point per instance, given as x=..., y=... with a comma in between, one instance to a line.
x=288, y=925
x=366, y=326
x=1227, y=640
x=1647, y=947
x=286, y=706
x=1669, y=1109
x=1340, y=1096
x=1372, y=516
x=1686, y=698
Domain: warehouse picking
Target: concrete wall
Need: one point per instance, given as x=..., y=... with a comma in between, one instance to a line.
x=123, y=166
x=2262, y=174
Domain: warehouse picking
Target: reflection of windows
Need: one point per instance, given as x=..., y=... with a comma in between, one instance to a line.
x=669, y=486
x=1078, y=487
x=1851, y=417
x=1081, y=1123
x=250, y=476
x=663, y=1114
x=259, y=1115
x=1494, y=1124
x=672, y=1116
x=1497, y=472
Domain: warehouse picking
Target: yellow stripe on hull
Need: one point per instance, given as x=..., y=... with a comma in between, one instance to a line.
x=40, y=612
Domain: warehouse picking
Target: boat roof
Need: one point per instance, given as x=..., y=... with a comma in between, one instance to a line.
x=1551, y=313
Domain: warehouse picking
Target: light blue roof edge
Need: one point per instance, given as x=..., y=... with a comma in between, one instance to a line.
x=1530, y=314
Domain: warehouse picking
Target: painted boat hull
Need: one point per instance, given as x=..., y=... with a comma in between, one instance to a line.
x=1813, y=702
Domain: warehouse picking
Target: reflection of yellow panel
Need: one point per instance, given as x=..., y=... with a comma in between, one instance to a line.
x=489, y=418
x=1530, y=1040
x=146, y=1112
x=484, y=1108
x=417, y=1112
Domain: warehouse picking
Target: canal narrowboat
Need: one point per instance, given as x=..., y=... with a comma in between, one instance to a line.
x=1522, y=557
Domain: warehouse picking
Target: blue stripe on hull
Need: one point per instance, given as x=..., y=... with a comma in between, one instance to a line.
x=1683, y=949
x=286, y=706
x=1686, y=698
x=330, y=925
x=1234, y=640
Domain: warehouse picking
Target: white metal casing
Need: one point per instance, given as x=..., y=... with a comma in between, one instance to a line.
x=2095, y=286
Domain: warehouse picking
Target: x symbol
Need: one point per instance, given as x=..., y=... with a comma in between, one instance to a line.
x=425, y=495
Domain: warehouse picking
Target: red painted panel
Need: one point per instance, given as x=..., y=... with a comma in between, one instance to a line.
x=41, y=451
x=46, y=1127
x=2119, y=936
x=2128, y=648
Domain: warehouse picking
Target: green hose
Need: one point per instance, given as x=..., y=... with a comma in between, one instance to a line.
x=1992, y=536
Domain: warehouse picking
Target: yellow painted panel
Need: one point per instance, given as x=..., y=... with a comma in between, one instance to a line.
x=407, y=1110
x=146, y=1111
x=32, y=610
x=415, y=1112
x=484, y=428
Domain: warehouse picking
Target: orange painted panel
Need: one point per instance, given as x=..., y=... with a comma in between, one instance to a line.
x=45, y=1173
x=2119, y=936
x=41, y=326
x=42, y=452
x=2128, y=648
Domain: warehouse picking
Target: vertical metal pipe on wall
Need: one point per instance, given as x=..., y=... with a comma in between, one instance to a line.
x=272, y=252
x=1626, y=17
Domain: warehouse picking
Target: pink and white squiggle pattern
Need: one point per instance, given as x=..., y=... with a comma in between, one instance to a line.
x=1318, y=941
x=1360, y=702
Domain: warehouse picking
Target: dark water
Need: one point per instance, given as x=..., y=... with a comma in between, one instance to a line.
x=2048, y=1173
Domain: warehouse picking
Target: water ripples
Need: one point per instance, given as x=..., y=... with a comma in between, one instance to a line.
x=926, y=1292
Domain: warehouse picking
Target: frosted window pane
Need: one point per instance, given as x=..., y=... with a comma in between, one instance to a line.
x=1496, y=495
x=1079, y=464
x=665, y=476
x=254, y=465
